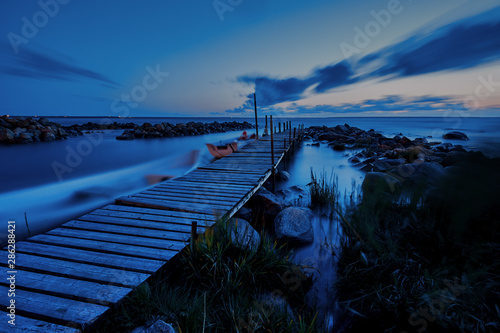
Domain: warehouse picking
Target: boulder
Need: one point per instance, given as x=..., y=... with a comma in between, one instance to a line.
x=158, y=327
x=6, y=135
x=269, y=203
x=381, y=185
x=453, y=157
x=244, y=213
x=294, y=225
x=243, y=235
x=48, y=137
x=419, y=176
x=126, y=136
x=282, y=176
x=455, y=135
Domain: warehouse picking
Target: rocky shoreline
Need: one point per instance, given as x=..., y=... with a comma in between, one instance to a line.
x=21, y=130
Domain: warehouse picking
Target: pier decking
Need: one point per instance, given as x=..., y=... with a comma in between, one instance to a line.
x=67, y=279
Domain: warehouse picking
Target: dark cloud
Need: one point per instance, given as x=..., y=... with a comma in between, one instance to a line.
x=35, y=64
x=333, y=76
x=390, y=103
x=460, y=45
x=272, y=91
x=456, y=46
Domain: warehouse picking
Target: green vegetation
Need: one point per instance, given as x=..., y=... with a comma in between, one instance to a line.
x=216, y=286
x=323, y=190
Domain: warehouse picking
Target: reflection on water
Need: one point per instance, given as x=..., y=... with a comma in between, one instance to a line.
x=320, y=256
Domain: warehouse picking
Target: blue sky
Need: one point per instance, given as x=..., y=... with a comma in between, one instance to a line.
x=207, y=58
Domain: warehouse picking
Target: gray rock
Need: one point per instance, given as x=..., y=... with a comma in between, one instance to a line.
x=382, y=185
x=455, y=135
x=243, y=235
x=294, y=225
x=158, y=327
x=48, y=137
x=6, y=135
x=282, y=176
x=269, y=202
x=419, y=175
x=126, y=136
x=453, y=157
x=244, y=213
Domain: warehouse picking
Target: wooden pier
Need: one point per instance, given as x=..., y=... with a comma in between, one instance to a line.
x=67, y=279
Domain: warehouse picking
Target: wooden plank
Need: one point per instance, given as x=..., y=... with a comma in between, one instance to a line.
x=54, y=309
x=67, y=288
x=184, y=200
x=60, y=239
x=205, y=187
x=125, y=230
x=116, y=238
x=231, y=175
x=91, y=257
x=219, y=180
x=159, y=212
x=151, y=216
x=181, y=183
x=80, y=271
x=194, y=198
x=25, y=324
x=137, y=222
x=195, y=192
x=167, y=205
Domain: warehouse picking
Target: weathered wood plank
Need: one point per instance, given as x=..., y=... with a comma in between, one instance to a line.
x=80, y=271
x=125, y=230
x=140, y=221
x=221, y=196
x=221, y=181
x=180, y=183
x=184, y=197
x=25, y=324
x=91, y=257
x=117, y=238
x=204, y=187
x=54, y=309
x=67, y=288
x=59, y=238
x=159, y=212
x=163, y=204
x=146, y=216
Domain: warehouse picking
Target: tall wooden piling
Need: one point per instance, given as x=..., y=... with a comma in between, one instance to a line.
x=273, y=171
x=256, y=123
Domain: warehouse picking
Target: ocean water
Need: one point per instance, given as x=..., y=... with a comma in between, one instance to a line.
x=47, y=184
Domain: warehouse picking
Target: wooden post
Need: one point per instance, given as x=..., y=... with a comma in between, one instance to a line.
x=273, y=172
x=289, y=134
x=194, y=234
x=279, y=127
x=294, y=142
x=284, y=157
x=265, y=129
x=256, y=123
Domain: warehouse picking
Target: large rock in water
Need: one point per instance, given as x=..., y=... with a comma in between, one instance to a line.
x=455, y=136
x=381, y=185
x=269, y=203
x=294, y=225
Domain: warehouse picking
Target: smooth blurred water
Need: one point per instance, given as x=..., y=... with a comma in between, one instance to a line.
x=57, y=181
